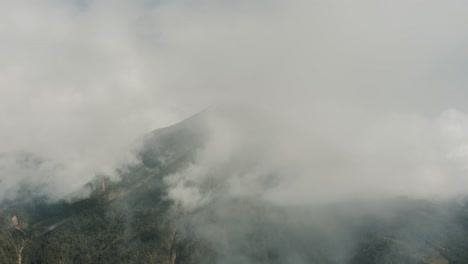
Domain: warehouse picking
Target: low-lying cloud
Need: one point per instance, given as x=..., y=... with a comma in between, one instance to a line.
x=352, y=101
x=255, y=155
x=367, y=91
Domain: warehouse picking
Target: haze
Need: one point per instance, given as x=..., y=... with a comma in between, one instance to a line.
x=364, y=98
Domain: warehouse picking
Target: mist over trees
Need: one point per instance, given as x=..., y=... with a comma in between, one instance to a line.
x=286, y=131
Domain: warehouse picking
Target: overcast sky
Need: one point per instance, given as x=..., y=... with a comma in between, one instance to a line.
x=80, y=80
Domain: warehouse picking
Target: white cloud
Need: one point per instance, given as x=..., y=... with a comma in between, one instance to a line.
x=80, y=80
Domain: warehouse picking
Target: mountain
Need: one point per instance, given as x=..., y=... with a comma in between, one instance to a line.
x=135, y=220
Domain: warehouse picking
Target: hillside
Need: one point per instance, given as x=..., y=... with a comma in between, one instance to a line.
x=132, y=220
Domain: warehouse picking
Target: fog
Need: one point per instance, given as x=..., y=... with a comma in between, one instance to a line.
x=346, y=101
x=378, y=85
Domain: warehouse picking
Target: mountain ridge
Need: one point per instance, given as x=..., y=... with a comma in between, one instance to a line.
x=132, y=220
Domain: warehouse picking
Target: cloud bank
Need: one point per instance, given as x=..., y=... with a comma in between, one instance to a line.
x=365, y=88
